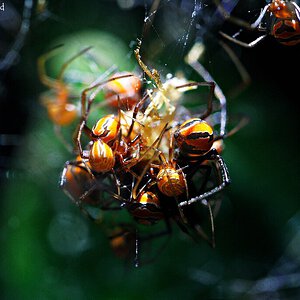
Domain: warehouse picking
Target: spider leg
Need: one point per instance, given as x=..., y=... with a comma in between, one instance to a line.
x=191, y=226
x=192, y=59
x=225, y=180
x=198, y=227
x=135, y=112
x=51, y=82
x=246, y=79
x=297, y=9
x=76, y=198
x=149, y=237
x=243, y=44
x=241, y=23
x=70, y=60
x=77, y=138
x=238, y=21
x=212, y=224
x=79, y=191
x=154, y=146
x=137, y=250
x=85, y=108
x=211, y=86
x=59, y=134
x=44, y=78
x=243, y=122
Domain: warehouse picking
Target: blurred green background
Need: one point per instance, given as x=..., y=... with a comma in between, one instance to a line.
x=50, y=251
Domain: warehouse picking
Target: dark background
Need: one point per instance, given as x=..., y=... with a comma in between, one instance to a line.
x=50, y=251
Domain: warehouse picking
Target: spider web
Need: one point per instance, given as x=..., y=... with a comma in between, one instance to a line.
x=171, y=25
x=177, y=25
x=171, y=29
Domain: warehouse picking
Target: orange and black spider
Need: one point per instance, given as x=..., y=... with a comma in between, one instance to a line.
x=195, y=139
x=200, y=178
x=280, y=19
x=105, y=134
x=125, y=92
x=143, y=202
x=206, y=172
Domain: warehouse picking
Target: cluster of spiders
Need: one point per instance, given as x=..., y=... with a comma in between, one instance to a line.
x=149, y=155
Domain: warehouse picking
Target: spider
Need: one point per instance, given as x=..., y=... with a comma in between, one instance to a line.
x=192, y=59
x=105, y=134
x=201, y=177
x=194, y=139
x=57, y=101
x=177, y=183
x=92, y=193
x=144, y=204
x=169, y=177
x=201, y=151
x=280, y=19
x=123, y=92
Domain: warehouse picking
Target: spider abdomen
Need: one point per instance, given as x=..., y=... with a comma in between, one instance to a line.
x=170, y=182
x=101, y=157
